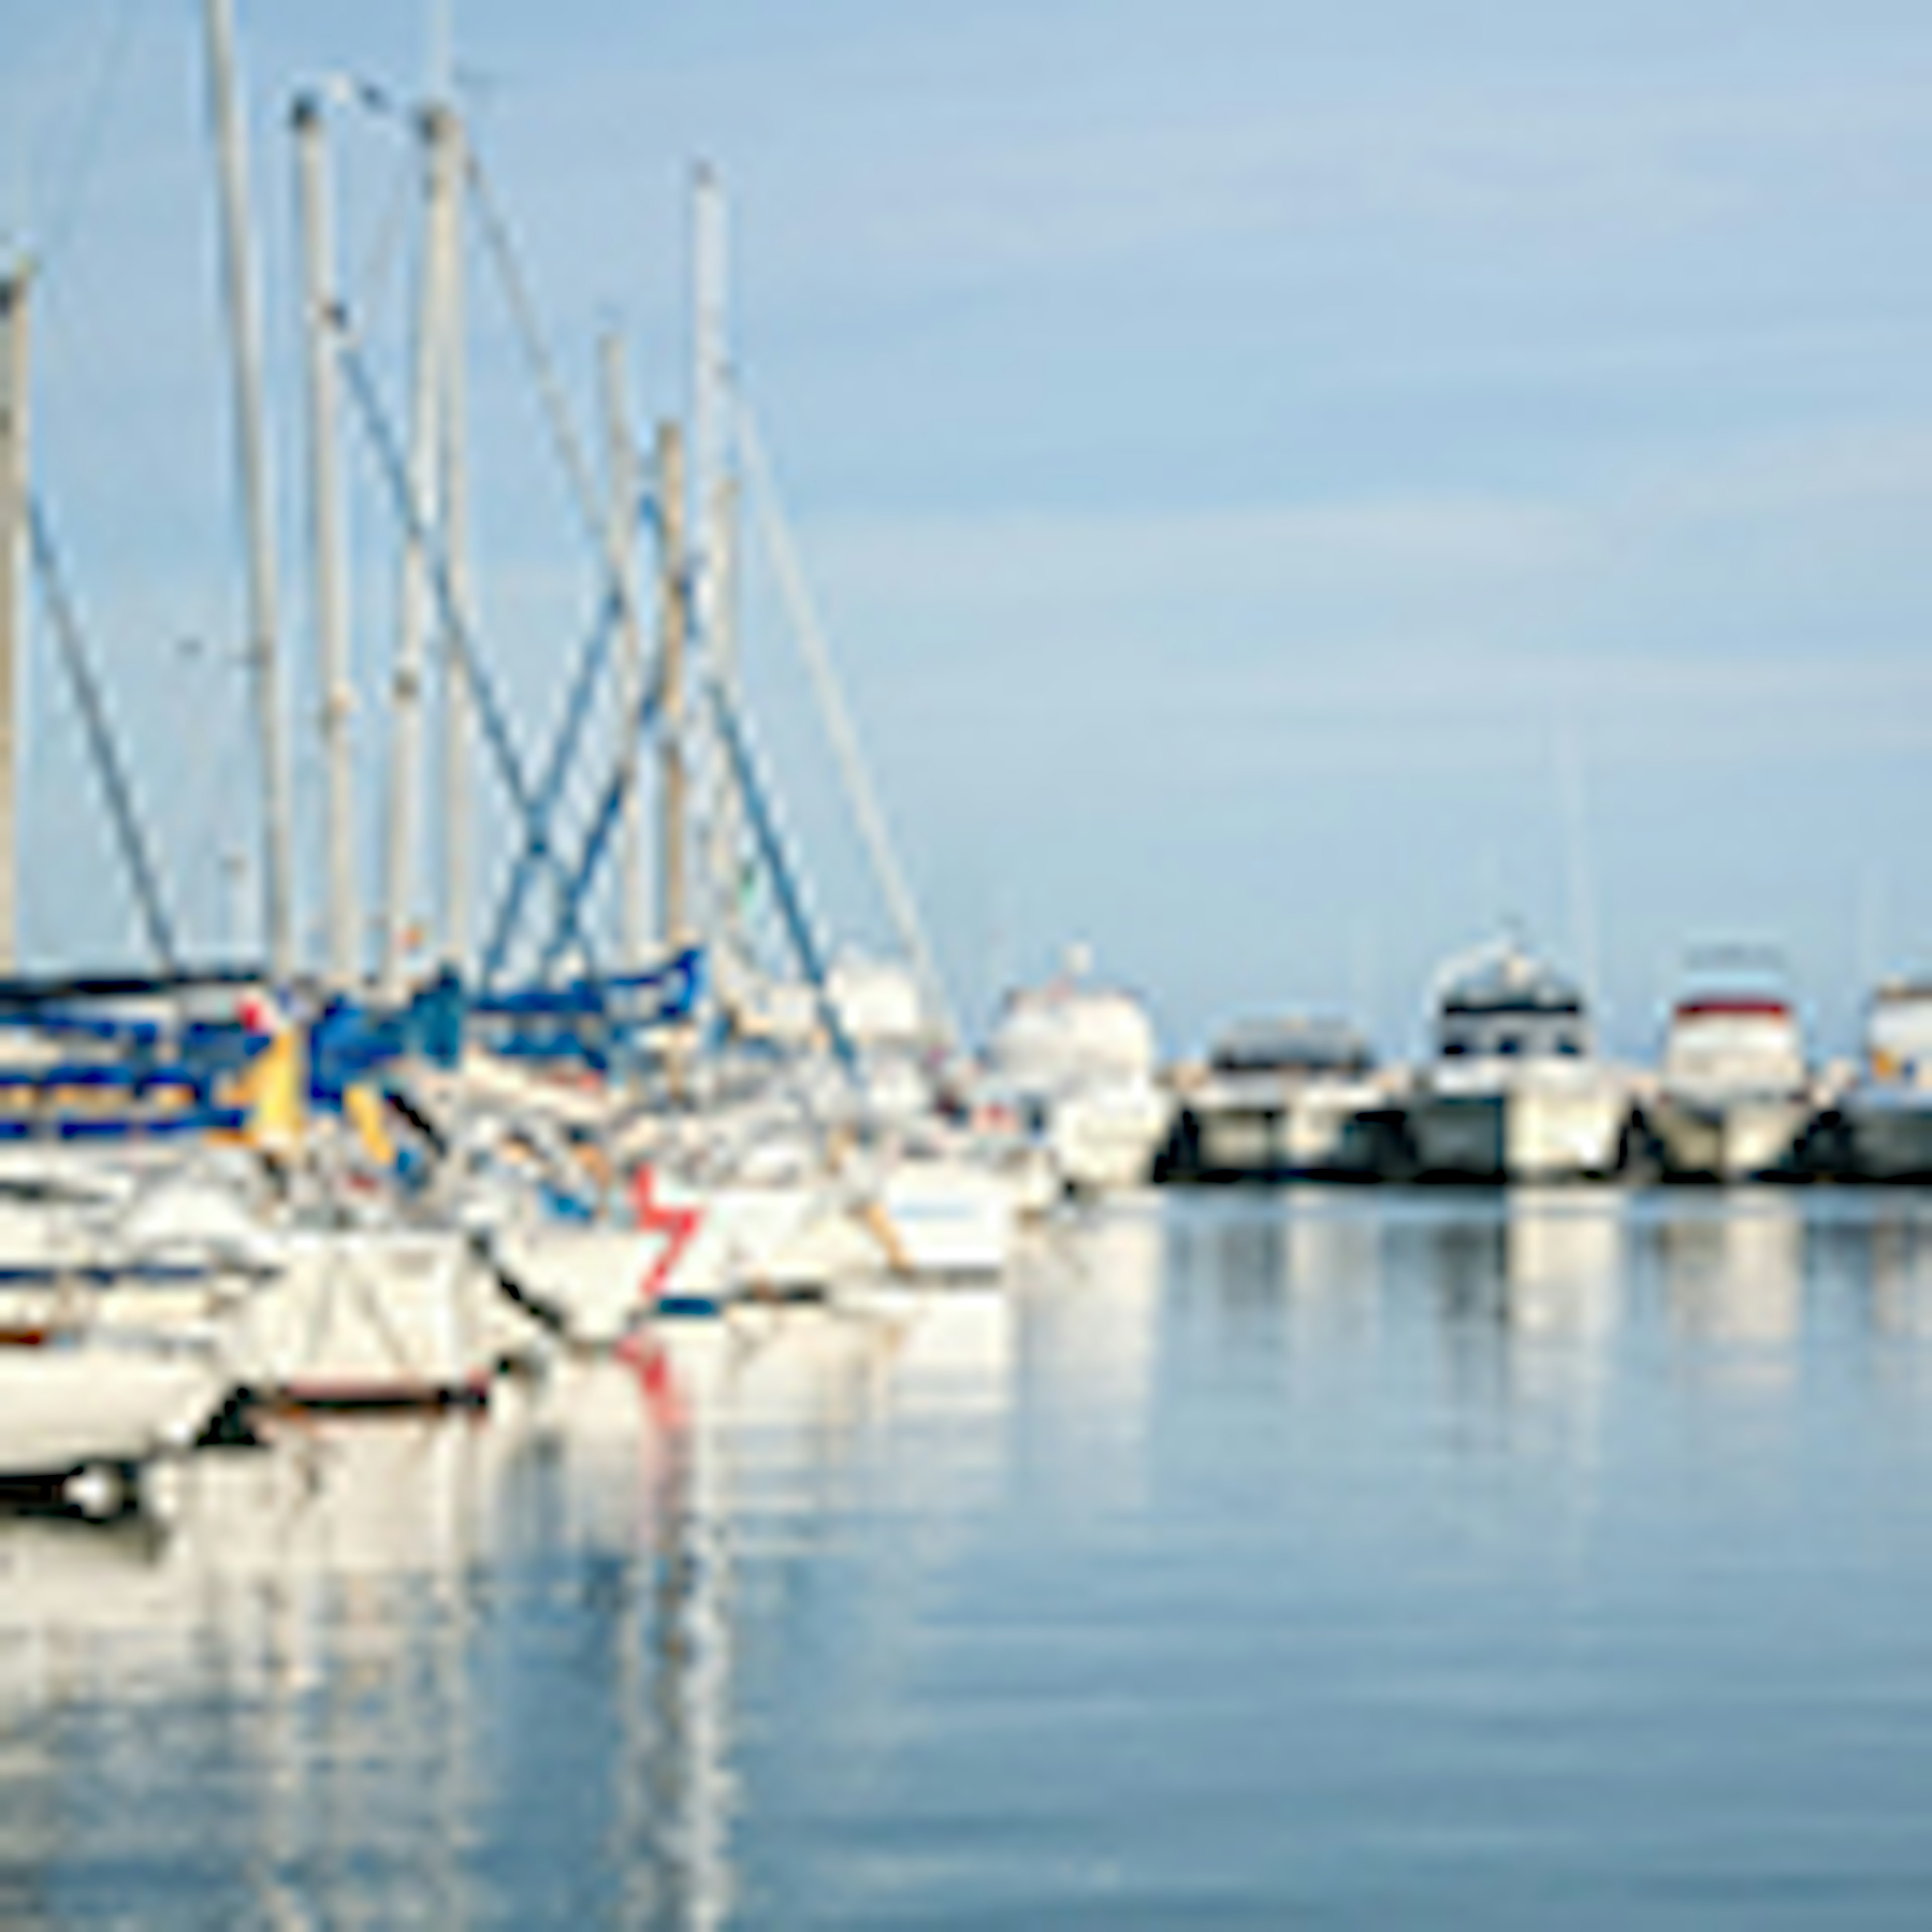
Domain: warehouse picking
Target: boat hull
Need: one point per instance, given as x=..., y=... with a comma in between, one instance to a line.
x=1316, y=1129
x=359, y=1318
x=1736, y=1137
x=65, y=1408
x=1526, y=1132
x=783, y=1239
x=947, y=1219
x=593, y=1284
x=1104, y=1138
x=1888, y=1133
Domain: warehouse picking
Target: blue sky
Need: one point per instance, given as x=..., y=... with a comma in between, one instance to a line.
x=1286, y=485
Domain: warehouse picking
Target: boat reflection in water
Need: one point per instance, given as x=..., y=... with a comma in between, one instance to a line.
x=1525, y=1263
x=1086, y=1323
x=894, y=1608
x=1563, y=1270
x=1899, y=1259
x=320, y=1618
x=1731, y=1273
x=398, y=1640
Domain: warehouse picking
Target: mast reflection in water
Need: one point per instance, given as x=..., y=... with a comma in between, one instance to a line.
x=1551, y=1556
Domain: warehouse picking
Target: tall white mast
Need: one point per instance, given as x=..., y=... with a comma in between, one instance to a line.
x=454, y=482
x=621, y=470
x=414, y=601
x=333, y=677
x=710, y=542
x=13, y=572
x=251, y=463
x=674, y=911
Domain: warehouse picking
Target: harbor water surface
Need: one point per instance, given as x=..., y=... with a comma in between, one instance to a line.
x=1335, y=1558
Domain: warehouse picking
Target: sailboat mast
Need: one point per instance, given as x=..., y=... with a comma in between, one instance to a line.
x=674, y=911
x=426, y=524
x=709, y=539
x=454, y=483
x=326, y=568
x=251, y=463
x=621, y=470
x=13, y=572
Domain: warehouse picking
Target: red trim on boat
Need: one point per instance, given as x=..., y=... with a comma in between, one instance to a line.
x=679, y=1226
x=1740, y=1005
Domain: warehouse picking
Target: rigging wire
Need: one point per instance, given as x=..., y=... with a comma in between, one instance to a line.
x=592, y=513
x=809, y=631
x=538, y=835
x=500, y=245
x=417, y=530
x=109, y=766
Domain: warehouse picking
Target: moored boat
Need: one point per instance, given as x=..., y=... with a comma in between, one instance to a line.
x=92, y=1409
x=1282, y=1099
x=1079, y=1060
x=1732, y=1096
x=1516, y=1091
x=1886, y=1115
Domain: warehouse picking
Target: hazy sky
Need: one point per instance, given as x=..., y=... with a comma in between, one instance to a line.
x=1286, y=485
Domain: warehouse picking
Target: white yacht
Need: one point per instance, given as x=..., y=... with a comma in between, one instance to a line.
x=1888, y=1111
x=1516, y=1091
x=1733, y=1093
x=1080, y=1060
x=1286, y=1097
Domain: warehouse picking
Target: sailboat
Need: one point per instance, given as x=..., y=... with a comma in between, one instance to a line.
x=90, y=1410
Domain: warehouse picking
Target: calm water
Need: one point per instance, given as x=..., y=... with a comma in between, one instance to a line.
x=1350, y=1558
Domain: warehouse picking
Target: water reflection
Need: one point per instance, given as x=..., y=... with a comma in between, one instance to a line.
x=1301, y=1267
x=1563, y=1264
x=1527, y=1283
x=1332, y=1262
x=1086, y=1326
x=399, y=1645
x=1733, y=1272
x=928, y=1604
x=1900, y=1274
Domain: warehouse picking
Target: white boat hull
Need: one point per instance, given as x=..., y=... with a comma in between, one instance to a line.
x=70, y=1407
x=357, y=1317
x=1735, y=1137
x=1311, y=1128
x=782, y=1239
x=595, y=1282
x=947, y=1220
x=1104, y=1138
x=1519, y=1131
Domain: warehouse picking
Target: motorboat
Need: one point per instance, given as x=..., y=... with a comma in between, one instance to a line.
x=1515, y=1091
x=1079, y=1061
x=1281, y=1099
x=1886, y=1115
x=1733, y=1094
